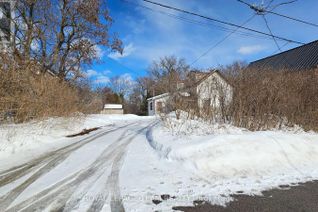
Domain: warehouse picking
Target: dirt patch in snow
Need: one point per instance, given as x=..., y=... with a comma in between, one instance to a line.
x=83, y=132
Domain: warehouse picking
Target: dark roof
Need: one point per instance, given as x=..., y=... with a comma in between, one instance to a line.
x=299, y=58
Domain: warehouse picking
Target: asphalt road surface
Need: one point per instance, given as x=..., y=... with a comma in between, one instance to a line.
x=301, y=198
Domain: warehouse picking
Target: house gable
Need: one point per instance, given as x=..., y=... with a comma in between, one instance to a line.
x=214, y=88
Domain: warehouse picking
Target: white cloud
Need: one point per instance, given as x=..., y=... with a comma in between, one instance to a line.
x=102, y=79
x=99, y=77
x=124, y=79
x=137, y=26
x=99, y=53
x=91, y=73
x=127, y=78
x=106, y=72
x=164, y=35
x=128, y=50
x=245, y=50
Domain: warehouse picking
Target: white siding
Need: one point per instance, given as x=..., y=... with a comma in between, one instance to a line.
x=212, y=89
x=155, y=102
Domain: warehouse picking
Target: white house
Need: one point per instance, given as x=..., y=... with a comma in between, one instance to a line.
x=157, y=104
x=213, y=90
x=206, y=89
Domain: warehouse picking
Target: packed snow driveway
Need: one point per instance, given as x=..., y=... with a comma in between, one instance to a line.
x=137, y=164
x=68, y=179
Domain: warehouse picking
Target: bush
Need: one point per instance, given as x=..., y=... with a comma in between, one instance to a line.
x=266, y=99
x=262, y=99
x=26, y=92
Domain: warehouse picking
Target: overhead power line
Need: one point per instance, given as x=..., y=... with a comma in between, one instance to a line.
x=260, y=10
x=270, y=31
x=221, y=41
x=199, y=23
x=192, y=21
x=283, y=3
x=222, y=22
x=294, y=19
x=227, y=36
x=278, y=51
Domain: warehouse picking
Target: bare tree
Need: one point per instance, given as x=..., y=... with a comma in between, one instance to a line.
x=167, y=72
x=64, y=35
x=122, y=85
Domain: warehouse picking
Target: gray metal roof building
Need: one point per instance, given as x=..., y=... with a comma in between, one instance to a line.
x=300, y=58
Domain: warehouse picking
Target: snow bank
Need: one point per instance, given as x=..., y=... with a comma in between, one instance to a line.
x=234, y=159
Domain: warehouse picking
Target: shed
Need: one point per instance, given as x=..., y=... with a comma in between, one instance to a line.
x=113, y=109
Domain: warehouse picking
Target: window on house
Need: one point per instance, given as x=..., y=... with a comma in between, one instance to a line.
x=150, y=105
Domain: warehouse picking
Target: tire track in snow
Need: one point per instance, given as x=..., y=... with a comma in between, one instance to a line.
x=103, y=164
x=17, y=172
x=38, y=196
x=112, y=184
x=116, y=203
x=161, y=150
x=58, y=157
x=63, y=190
x=112, y=180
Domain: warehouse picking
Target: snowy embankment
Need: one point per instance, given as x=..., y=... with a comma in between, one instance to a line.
x=236, y=160
x=31, y=139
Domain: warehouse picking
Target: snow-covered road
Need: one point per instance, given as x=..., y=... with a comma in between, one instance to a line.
x=137, y=164
x=64, y=178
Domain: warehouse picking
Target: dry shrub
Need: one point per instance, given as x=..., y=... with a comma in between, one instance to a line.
x=261, y=100
x=89, y=101
x=27, y=93
x=265, y=99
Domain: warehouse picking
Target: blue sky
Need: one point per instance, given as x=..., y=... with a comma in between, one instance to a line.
x=149, y=34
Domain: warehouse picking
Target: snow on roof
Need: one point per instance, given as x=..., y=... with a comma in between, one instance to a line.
x=158, y=96
x=113, y=106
